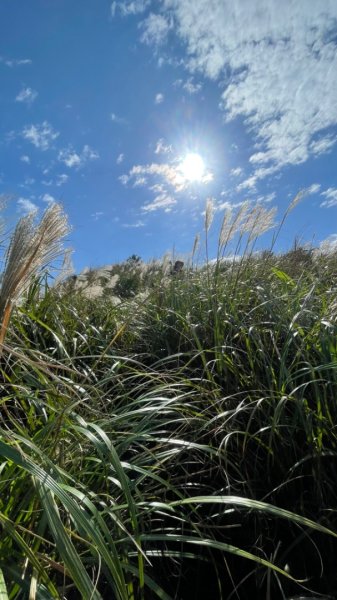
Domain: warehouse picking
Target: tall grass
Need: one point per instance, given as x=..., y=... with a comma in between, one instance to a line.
x=182, y=446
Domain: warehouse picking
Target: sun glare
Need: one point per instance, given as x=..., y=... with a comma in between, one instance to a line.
x=193, y=167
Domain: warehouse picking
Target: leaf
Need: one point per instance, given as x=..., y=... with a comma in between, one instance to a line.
x=3, y=588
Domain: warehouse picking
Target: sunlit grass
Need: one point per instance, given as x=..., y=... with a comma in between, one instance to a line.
x=178, y=445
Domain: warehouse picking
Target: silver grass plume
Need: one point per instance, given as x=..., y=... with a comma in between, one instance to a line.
x=230, y=226
x=226, y=228
x=258, y=221
x=31, y=248
x=195, y=245
x=299, y=196
x=209, y=213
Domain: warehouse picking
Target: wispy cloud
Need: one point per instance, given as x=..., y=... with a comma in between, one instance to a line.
x=27, y=95
x=135, y=225
x=331, y=197
x=236, y=172
x=159, y=98
x=41, y=136
x=161, y=202
x=97, y=215
x=15, y=62
x=129, y=7
x=29, y=181
x=275, y=68
x=120, y=158
x=155, y=29
x=73, y=159
x=266, y=198
x=61, y=179
x=118, y=120
x=170, y=173
x=162, y=148
x=313, y=189
x=26, y=206
x=24, y=158
x=323, y=145
x=188, y=85
x=48, y=198
x=247, y=184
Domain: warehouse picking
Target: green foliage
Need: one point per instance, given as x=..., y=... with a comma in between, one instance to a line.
x=181, y=445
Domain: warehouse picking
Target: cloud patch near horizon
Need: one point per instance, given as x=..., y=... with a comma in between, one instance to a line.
x=276, y=63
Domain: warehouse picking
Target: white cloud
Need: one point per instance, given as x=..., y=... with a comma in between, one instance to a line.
x=97, y=215
x=329, y=245
x=116, y=119
x=70, y=158
x=26, y=95
x=77, y=160
x=331, y=197
x=164, y=180
x=313, y=189
x=159, y=98
x=248, y=184
x=236, y=172
x=322, y=145
x=26, y=206
x=126, y=8
x=163, y=201
x=267, y=198
x=61, y=179
x=14, y=62
x=171, y=174
x=164, y=171
x=48, y=198
x=41, y=136
x=161, y=148
x=189, y=86
x=192, y=88
x=139, y=182
x=276, y=62
x=155, y=29
x=120, y=158
x=25, y=159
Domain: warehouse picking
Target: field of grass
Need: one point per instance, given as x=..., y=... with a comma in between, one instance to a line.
x=181, y=444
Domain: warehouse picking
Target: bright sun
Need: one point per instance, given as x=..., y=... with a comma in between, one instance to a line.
x=193, y=167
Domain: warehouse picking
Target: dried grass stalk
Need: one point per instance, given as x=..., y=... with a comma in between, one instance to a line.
x=31, y=248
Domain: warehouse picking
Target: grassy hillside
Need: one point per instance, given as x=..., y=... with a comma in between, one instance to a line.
x=181, y=443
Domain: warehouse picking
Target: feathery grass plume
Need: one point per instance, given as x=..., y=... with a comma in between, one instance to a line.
x=209, y=213
x=67, y=267
x=238, y=220
x=299, y=196
x=31, y=248
x=195, y=245
x=258, y=221
x=226, y=228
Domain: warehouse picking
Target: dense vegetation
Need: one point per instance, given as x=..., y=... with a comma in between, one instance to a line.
x=181, y=444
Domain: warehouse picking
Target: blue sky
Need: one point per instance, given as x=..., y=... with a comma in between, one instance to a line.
x=102, y=102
